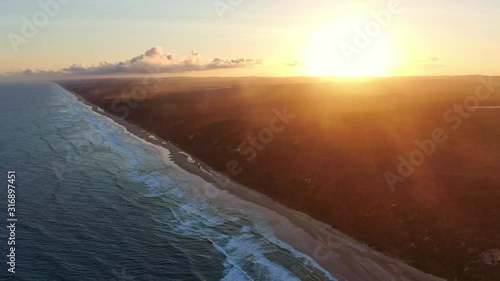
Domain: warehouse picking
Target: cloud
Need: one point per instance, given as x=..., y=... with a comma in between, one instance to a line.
x=154, y=60
x=295, y=63
x=428, y=63
x=429, y=59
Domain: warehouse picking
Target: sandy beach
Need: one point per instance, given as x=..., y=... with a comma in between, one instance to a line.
x=254, y=140
x=343, y=257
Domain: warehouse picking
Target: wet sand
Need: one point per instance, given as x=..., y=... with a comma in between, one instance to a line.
x=342, y=256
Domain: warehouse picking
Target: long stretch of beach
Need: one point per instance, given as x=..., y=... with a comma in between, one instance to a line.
x=360, y=157
x=339, y=254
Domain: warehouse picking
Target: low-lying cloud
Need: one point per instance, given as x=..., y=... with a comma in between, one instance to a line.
x=429, y=63
x=154, y=60
x=295, y=63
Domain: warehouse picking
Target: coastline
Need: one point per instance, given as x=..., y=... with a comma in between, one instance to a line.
x=347, y=259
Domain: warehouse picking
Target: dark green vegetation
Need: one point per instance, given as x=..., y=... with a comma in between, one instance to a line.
x=332, y=159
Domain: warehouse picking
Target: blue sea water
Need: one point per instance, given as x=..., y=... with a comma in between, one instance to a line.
x=94, y=202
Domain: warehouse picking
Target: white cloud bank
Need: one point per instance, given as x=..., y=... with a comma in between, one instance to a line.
x=154, y=60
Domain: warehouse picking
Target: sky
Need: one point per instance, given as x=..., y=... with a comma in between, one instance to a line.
x=249, y=37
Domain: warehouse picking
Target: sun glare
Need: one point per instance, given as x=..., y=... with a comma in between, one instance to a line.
x=325, y=56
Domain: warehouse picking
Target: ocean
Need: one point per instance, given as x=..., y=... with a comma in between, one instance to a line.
x=94, y=202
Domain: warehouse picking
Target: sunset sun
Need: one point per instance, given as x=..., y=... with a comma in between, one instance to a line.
x=250, y=140
x=331, y=51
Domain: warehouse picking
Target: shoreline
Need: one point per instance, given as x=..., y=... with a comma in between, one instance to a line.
x=347, y=259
